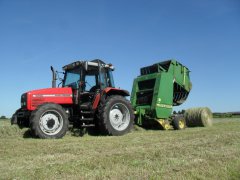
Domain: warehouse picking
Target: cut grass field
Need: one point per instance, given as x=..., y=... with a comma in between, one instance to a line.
x=194, y=153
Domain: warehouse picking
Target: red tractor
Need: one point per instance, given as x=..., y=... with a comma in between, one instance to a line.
x=87, y=98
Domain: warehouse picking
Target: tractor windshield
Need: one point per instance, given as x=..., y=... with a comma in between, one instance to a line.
x=71, y=79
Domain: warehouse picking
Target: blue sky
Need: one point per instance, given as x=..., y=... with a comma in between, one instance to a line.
x=203, y=35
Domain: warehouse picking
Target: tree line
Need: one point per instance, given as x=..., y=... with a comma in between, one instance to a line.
x=3, y=117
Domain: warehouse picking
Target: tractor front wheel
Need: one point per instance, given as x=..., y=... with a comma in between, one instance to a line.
x=116, y=116
x=49, y=121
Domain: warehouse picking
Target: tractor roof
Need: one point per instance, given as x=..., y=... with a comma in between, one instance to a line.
x=94, y=63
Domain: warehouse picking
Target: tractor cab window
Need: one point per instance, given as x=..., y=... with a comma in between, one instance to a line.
x=71, y=79
x=91, y=81
x=102, y=76
x=110, y=81
x=106, y=78
x=97, y=78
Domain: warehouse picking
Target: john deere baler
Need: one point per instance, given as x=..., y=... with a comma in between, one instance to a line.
x=160, y=87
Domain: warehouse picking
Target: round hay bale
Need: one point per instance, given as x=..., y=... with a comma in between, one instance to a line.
x=198, y=117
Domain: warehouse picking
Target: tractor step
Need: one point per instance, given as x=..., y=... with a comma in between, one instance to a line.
x=88, y=125
x=87, y=119
x=87, y=112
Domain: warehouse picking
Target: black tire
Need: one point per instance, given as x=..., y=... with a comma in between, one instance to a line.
x=115, y=106
x=179, y=123
x=22, y=122
x=14, y=117
x=45, y=117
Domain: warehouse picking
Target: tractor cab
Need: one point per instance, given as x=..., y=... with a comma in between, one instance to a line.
x=88, y=76
x=88, y=79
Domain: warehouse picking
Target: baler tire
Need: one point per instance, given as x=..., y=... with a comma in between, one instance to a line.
x=114, y=107
x=42, y=115
x=179, y=123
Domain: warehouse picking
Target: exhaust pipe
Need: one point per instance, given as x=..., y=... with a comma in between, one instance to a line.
x=54, y=77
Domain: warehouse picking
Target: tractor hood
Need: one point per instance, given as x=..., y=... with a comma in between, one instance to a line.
x=32, y=99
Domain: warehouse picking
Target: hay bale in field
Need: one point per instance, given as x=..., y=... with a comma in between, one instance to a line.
x=198, y=117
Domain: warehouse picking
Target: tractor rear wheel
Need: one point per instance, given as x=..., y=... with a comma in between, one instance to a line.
x=179, y=122
x=49, y=121
x=116, y=116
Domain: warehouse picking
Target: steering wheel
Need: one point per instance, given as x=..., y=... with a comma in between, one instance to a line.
x=94, y=88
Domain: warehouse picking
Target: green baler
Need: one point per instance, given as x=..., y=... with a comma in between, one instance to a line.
x=160, y=87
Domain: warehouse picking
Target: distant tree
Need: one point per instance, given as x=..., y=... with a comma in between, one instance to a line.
x=183, y=111
x=3, y=117
x=174, y=112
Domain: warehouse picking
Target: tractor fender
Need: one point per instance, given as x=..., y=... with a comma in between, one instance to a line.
x=116, y=91
x=108, y=92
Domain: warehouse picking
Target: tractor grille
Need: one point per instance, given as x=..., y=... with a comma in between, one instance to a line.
x=24, y=100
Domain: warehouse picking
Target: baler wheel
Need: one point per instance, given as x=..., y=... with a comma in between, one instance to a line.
x=49, y=121
x=179, y=123
x=116, y=116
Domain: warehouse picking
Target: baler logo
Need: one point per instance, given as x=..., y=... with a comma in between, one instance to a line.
x=164, y=106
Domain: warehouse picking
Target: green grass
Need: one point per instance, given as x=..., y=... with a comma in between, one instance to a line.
x=196, y=153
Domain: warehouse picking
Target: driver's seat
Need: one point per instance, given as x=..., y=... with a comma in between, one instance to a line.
x=88, y=98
